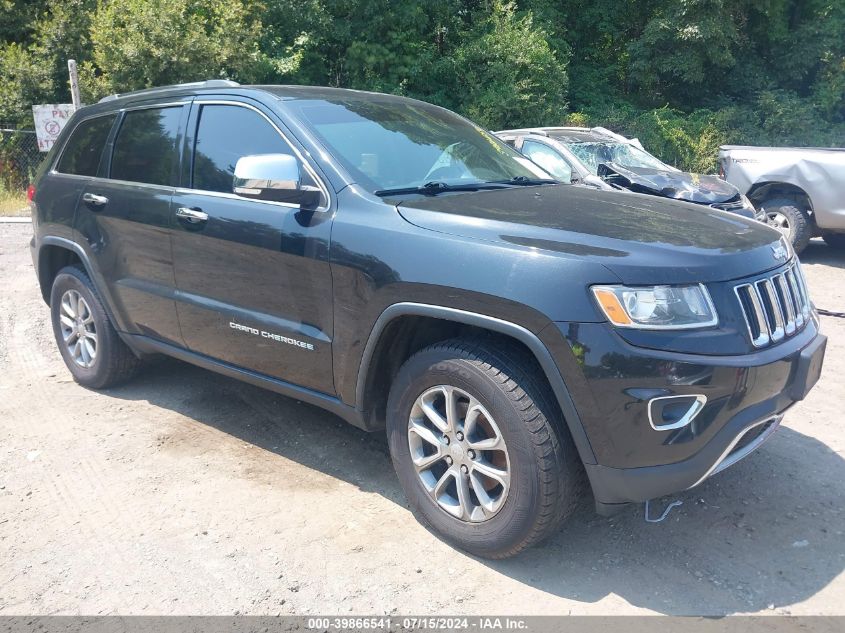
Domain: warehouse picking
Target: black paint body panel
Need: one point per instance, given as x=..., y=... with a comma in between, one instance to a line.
x=520, y=260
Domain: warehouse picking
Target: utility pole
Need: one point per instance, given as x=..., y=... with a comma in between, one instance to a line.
x=74, y=84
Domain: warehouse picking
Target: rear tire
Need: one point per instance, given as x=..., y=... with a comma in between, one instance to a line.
x=791, y=219
x=90, y=346
x=500, y=401
x=834, y=240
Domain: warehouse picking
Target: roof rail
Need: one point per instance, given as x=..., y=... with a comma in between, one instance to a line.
x=530, y=130
x=209, y=83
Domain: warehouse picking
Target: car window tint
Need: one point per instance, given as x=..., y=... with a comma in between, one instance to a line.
x=82, y=153
x=146, y=146
x=548, y=159
x=225, y=134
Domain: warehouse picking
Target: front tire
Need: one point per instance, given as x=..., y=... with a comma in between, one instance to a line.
x=92, y=350
x=791, y=219
x=480, y=448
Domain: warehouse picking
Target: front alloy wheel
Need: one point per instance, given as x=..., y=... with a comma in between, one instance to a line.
x=780, y=222
x=459, y=453
x=480, y=447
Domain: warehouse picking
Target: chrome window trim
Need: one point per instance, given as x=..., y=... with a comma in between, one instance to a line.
x=99, y=179
x=222, y=194
x=187, y=190
x=55, y=172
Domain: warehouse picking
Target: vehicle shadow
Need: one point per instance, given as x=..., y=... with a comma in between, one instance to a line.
x=767, y=533
x=817, y=252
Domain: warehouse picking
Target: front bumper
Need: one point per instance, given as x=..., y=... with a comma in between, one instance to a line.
x=615, y=382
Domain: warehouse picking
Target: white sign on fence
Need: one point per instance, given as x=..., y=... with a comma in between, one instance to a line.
x=49, y=121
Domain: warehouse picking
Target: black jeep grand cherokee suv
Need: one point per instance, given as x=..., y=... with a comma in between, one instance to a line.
x=399, y=266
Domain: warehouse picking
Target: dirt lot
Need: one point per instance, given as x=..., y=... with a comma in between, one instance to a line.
x=187, y=492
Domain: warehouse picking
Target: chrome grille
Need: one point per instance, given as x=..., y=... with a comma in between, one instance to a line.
x=775, y=307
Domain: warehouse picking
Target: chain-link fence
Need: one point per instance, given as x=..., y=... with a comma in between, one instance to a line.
x=19, y=157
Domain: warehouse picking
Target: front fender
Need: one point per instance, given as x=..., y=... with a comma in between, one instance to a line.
x=531, y=340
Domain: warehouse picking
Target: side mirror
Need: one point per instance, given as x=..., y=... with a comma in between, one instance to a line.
x=275, y=177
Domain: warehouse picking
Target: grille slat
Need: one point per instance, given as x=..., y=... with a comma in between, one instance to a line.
x=774, y=307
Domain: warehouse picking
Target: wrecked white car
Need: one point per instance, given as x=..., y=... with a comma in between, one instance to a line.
x=800, y=190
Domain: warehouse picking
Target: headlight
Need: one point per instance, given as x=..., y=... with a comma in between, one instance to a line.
x=657, y=307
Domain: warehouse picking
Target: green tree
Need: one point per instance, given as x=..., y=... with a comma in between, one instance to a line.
x=684, y=50
x=506, y=73
x=143, y=43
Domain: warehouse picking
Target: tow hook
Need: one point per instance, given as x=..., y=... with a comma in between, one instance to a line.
x=665, y=514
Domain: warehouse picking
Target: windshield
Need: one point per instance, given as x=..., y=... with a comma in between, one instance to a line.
x=594, y=154
x=396, y=144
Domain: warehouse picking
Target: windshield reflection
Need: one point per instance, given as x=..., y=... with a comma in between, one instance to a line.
x=394, y=143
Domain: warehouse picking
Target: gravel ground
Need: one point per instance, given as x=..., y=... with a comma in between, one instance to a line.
x=186, y=493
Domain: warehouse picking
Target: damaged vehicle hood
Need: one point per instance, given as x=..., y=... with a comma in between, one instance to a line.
x=680, y=185
x=641, y=239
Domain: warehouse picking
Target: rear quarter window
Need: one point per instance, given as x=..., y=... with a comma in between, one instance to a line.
x=81, y=156
x=145, y=149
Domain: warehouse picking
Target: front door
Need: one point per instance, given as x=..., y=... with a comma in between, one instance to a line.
x=254, y=287
x=125, y=216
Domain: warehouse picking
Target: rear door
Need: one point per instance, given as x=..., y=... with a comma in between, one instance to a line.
x=78, y=163
x=253, y=278
x=125, y=216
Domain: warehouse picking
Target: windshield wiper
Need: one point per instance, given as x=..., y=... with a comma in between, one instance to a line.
x=524, y=181
x=435, y=187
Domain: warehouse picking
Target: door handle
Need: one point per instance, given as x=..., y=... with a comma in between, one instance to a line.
x=94, y=200
x=194, y=216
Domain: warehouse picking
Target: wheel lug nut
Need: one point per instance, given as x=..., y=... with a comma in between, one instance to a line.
x=460, y=436
x=464, y=469
x=446, y=440
x=449, y=460
x=471, y=454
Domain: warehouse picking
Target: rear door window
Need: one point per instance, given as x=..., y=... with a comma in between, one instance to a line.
x=226, y=133
x=81, y=156
x=146, y=148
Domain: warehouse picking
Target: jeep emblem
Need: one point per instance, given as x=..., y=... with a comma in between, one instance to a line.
x=778, y=251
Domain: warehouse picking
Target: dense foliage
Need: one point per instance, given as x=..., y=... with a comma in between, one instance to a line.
x=683, y=75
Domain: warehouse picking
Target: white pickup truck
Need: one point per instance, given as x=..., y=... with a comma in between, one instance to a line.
x=801, y=190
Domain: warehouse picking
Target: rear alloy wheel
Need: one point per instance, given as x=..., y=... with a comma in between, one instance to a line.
x=87, y=340
x=480, y=447
x=78, y=329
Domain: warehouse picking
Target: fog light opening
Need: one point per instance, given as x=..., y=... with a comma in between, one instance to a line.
x=674, y=412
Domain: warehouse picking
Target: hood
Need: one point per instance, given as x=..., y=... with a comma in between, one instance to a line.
x=641, y=239
x=680, y=185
